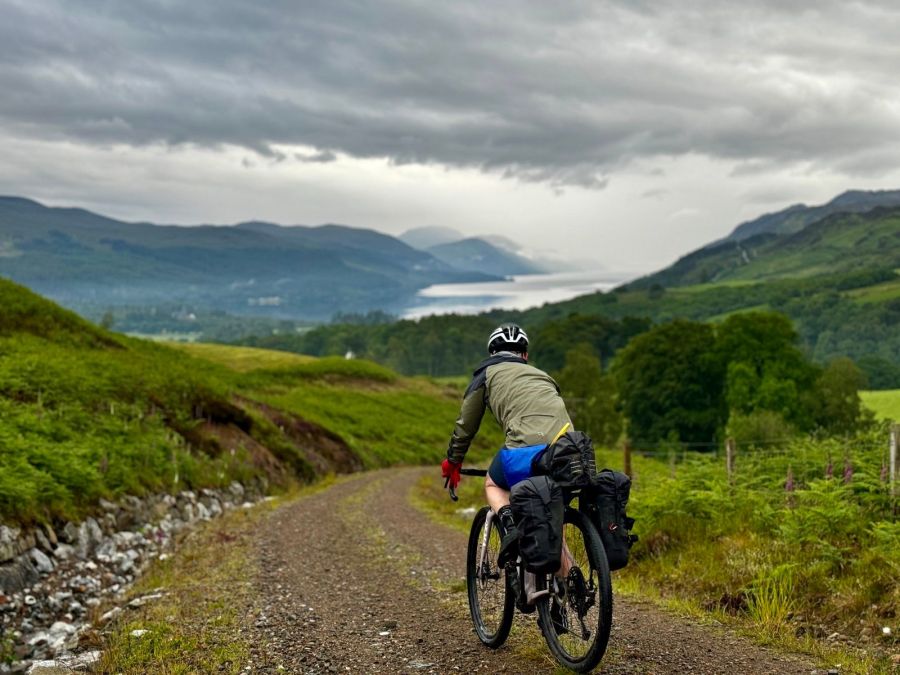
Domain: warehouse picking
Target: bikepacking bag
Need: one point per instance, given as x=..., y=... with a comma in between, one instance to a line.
x=537, y=506
x=604, y=504
x=569, y=461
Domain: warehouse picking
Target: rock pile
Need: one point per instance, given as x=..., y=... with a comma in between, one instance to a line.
x=50, y=579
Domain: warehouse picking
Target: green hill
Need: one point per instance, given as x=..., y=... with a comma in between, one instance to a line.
x=90, y=263
x=840, y=242
x=87, y=414
x=796, y=217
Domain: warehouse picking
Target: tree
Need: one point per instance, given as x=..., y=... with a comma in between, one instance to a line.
x=764, y=368
x=590, y=395
x=670, y=381
x=840, y=409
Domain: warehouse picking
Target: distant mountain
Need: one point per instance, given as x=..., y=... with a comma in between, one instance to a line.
x=796, y=217
x=87, y=261
x=476, y=254
x=424, y=238
x=855, y=231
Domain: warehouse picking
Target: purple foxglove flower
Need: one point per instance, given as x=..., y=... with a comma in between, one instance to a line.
x=789, y=483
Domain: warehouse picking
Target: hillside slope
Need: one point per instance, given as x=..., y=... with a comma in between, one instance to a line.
x=840, y=242
x=796, y=217
x=85, y=261
x=87, y=414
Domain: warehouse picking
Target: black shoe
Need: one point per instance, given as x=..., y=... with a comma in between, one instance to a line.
x=556, y=615
x=575, y=585
x=509, y=547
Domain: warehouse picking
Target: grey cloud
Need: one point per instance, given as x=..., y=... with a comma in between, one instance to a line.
x=562, y=95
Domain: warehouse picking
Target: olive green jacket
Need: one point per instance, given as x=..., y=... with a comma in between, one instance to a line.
x=524, y=400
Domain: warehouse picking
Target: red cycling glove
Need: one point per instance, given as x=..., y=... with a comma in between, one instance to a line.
x=450, y=471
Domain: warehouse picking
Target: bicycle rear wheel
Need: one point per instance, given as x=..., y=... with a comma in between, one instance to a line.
x=576, y=621
x=491, y=600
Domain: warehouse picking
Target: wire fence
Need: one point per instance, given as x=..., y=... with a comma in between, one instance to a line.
x=781, y=467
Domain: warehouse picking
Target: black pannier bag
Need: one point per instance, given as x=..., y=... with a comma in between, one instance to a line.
x=537, y=506
x=569, y=461
x=604, y=504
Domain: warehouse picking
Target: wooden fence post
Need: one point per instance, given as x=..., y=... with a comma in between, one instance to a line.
x=895, y=441
x=627, y=458
x=729, y=457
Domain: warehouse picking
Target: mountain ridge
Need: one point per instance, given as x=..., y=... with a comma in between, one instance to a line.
x=88, y=261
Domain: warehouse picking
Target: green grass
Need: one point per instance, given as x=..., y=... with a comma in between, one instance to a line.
x=241, y=359
x=889, y=290
x=400, y=421
x=885, y=404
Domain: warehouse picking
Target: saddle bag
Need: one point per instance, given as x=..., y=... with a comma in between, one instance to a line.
x=569, y=462
x=604, y=503
x=537, y=506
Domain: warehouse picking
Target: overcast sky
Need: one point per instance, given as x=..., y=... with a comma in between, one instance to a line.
x=630, y=132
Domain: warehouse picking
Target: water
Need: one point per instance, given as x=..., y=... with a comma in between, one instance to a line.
x=519, y=292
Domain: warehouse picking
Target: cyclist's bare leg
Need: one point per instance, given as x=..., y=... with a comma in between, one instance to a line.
x=566, y=561
x=497, y=497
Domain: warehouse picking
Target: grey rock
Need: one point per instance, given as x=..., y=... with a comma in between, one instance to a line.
x=62, y=628
x=108, y=506
x=18, y=574
x=187, y=496
x=72, y=663
x=237, y=490
x=42, y=541
x=38, y=639
x=13, y=542
x=63, y=552
x=106, y=550
x=202, y=512
x=51, y=535
x=70, y=533
x=95, y=532
x=187, y=512
x=43, y=564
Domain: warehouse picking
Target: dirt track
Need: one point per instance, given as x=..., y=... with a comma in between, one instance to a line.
x=355, y=579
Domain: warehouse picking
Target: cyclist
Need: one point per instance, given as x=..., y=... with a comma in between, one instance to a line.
x=526, y=403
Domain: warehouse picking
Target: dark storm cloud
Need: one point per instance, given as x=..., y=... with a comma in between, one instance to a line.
x=540, y=92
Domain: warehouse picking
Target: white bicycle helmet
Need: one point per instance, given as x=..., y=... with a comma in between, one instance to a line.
x=508, y=337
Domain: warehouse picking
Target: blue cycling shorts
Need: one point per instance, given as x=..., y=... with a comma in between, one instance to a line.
x=513, y=465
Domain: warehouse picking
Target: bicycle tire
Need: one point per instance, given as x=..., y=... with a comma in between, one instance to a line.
x=491, y=616
x=599, y=615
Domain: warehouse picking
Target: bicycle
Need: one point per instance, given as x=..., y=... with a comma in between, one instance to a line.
x=575, y=616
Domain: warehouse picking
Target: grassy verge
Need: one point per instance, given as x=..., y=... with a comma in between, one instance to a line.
x=207, y=588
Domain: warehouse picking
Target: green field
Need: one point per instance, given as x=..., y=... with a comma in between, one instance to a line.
x=885, y=404
x=241, y=359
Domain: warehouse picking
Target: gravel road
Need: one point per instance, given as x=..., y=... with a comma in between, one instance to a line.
x=355, y=579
